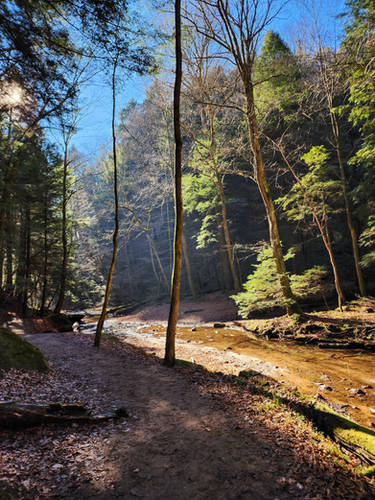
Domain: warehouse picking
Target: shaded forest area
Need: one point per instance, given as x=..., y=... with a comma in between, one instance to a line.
x=315, y=116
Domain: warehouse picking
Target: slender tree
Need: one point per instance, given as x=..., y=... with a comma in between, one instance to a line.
x=99, y=327
x=236, y=28
x=67, y=134
x=170, y=354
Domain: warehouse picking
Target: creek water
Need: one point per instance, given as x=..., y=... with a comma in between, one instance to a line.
x=343, y=377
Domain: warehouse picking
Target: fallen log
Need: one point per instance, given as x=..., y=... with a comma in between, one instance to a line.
x=351, y=436
x=124, y=310
x=19, y=415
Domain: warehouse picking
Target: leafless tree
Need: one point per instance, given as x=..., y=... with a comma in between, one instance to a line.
x=235, y=28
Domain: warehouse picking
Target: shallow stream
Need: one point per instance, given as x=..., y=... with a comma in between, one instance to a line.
x=343, y=377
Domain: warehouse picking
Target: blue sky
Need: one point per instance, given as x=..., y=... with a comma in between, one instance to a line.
x=94, y=128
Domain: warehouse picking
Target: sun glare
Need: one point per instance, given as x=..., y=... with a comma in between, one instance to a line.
x=12, y=95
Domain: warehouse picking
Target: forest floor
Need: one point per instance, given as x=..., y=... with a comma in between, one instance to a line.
x=191, y=434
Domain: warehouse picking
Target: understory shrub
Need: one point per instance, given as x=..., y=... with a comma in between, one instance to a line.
x=262, y=289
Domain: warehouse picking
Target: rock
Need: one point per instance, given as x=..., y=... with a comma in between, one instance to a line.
x=320, y=398
x=372, y=410
x=323, y=387
x=248, y=373
x=16, y=352
x=366, y=386
x=194, y=329
x=219, y=325
x=357, y=392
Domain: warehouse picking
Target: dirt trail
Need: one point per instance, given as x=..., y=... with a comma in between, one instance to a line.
x=185, y=443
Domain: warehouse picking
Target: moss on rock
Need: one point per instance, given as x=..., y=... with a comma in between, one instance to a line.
x=16, y=352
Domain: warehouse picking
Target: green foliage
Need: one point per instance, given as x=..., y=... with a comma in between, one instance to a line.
x=200, y=196
x=263, y=290
x=276, y=73
x=201, y=189
x=359, y=44
x=367, y=239
x=319, y=187
x=316, y=157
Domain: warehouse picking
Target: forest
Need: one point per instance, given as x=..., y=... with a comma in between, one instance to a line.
x=222, y=222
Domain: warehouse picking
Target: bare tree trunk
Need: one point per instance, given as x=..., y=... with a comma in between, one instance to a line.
x=327, y=242
x=170, y=354
x=27, y=263
x=348, y=210
x=64, y=239
x=154, y=268
x=170, y=243
x=188, y=267
x=4, y=218
x=228, y=243
x=223, y=202
x=99, y=327
x=224, y=276
x=157, y=257
x=45, y=257
x=1, y=262
x=9, y=255
x=323, y=232
x=291, y=304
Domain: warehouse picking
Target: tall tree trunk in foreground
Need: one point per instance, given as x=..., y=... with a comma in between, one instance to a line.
x=99, y=328
x=170, y=355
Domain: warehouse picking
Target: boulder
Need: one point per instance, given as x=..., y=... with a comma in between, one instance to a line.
x=16, y=352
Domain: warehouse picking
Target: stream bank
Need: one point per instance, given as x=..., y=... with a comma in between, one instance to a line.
x=344, y=379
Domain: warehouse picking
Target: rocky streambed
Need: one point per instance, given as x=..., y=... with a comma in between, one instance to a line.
x=342, y=378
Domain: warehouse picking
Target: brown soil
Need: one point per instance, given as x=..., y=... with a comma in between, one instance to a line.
x=192, y=435
x=210, y=307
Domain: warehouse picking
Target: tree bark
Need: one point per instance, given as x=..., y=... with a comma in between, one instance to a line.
x=27, y=263
x=19, y=416
x=323, y=233
x=64, y=239
x=188, y=267
x=228, y=243
x=99, y=328
x=157, y=257
x=9, y=255
x=170, y=354
x=291, y=304
x=224, y=275
x=45, y=256
x=348, y=209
